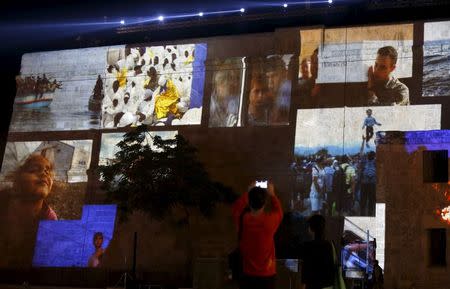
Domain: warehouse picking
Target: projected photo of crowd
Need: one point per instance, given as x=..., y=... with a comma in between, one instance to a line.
x=335, y=155
x=436, y=59
x=158, y=85
x=269, y=90
x=357, y=66
x=40, y=181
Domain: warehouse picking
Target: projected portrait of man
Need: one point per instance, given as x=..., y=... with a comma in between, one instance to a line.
x=224, y=105
x=96, y=259
x=383, y=87
x=308, y=87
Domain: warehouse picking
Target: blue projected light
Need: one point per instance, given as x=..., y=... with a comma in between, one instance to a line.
x=70, y=243
x=198, y=77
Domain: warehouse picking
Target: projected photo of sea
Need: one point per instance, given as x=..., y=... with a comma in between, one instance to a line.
x=436, y=59
x=436, y=68
x=54, y=90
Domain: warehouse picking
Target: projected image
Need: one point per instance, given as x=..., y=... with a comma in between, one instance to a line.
x=227, y=92
x=109, y=143
x=269, y=93
x=436, y=59
x=158, y=85
x=51, y=173
x=39, y=181
x=76, y=243
x=372, y=59
x=335, y=155
x=54, y=90
x=363, y=243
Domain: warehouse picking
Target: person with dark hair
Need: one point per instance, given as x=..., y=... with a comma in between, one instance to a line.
x=350, y=185
x=384, y=88
x=96, y=259
x=368, y=185
x=256, y=242
x=369, y=122
x=259, y=101
x=23, y=206
x=317, y=255
x=279, y=89
x=32, y=184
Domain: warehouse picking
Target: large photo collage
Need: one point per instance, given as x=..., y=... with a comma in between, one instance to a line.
x=344, y=85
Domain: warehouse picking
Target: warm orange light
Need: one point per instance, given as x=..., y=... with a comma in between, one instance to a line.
x=445, y=214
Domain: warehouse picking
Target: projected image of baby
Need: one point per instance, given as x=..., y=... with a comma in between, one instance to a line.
x=369, y=122
x=224, y=105
x=96, y=259
x=383, y=87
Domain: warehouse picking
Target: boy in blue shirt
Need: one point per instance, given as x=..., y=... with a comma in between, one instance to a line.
x=369, y=122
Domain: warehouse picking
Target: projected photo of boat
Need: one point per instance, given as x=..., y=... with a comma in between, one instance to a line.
x=35, y=92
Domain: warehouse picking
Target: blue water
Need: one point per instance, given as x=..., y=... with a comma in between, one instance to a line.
x=436, y=68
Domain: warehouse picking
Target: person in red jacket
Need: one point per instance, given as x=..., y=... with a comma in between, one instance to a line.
x=256, y=243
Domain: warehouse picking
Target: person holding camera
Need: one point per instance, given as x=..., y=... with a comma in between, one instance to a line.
x=256, y=242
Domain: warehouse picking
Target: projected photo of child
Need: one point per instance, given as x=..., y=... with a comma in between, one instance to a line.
x=95, y=260
x=269, y=96
x=226, y=93
x=39, y=181
x=356, y=66
x=335, y=155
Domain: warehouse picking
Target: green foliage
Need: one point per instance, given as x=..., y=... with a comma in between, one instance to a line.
x=155, y=179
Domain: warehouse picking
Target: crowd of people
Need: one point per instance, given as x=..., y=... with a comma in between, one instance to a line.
x=150, y=85
x=37, y=86
x=257, y=224
x=340, y=185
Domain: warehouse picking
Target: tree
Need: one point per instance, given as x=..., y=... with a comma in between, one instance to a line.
x=154, y=175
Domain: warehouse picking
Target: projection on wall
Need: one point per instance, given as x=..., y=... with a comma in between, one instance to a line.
x=56, y=167
x=436, y=59
x=109, y=143
x=335, y=159
x=54, y=88
x=355, y=66
x=76, y=243
x=363, y=242
x=108, y=87
x=159, y=85
x=225, y=109
x=269, y=90
x=39, y=181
